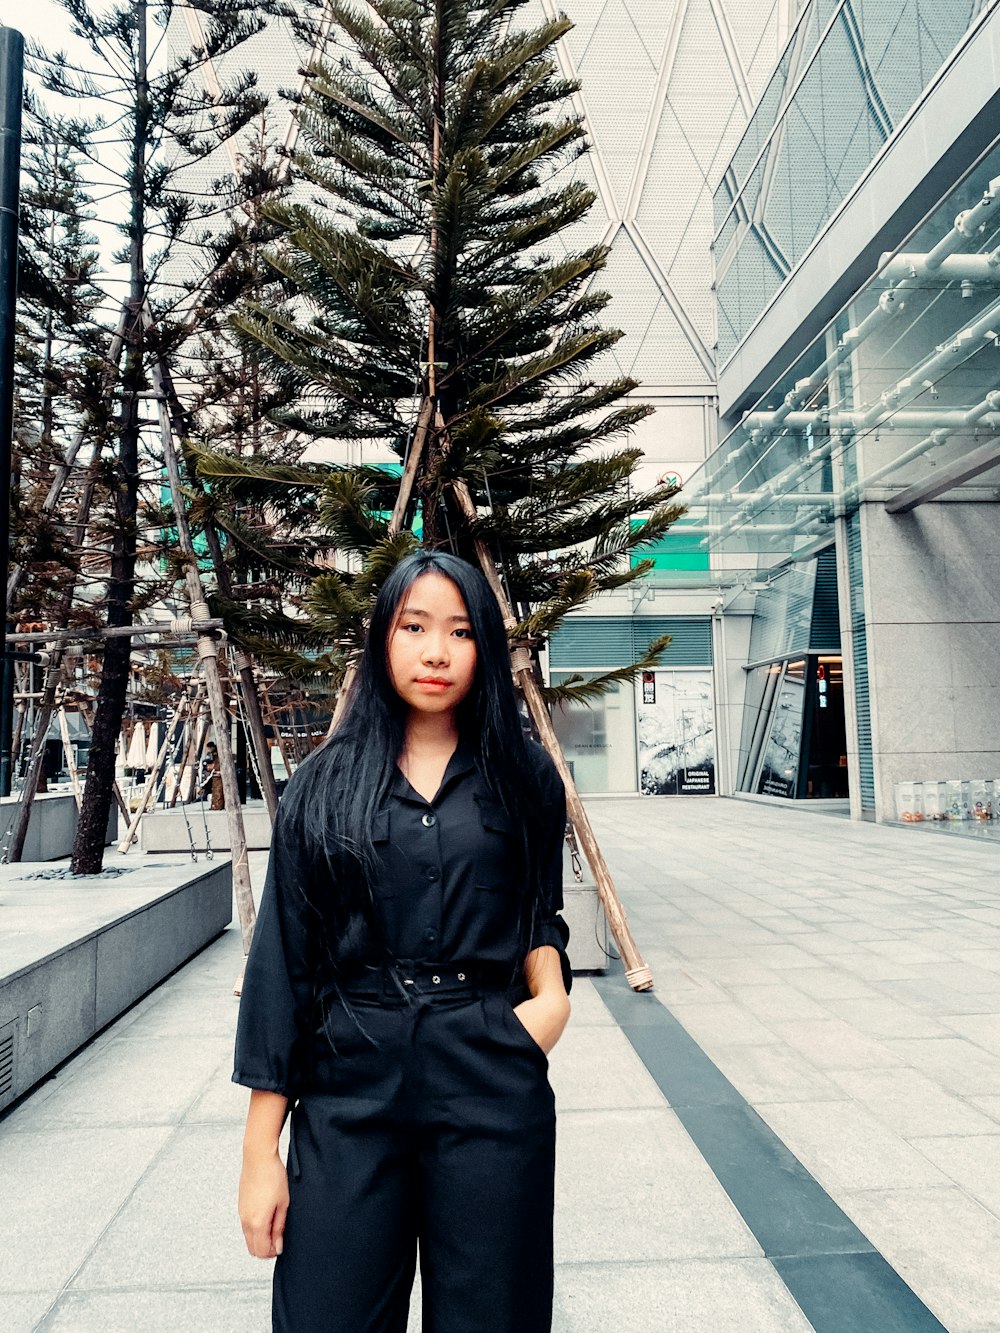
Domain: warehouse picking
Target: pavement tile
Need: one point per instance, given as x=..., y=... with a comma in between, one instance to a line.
x=955, y=1064
x=831, y=1043
x=208, y=1010
x=179, y=1227
x=881, y=1016
x=774, y=1073
x=596, y=1069
x=729, y=971
x=634, y=1181
x=831, y=982
x=702, y=946
x=927, y=995
x=854, y=1293
x=738, y=1296
x=981, y=1029
x=138, y=1081
x=222, y=1102
x=910, y=1103
x=22, y=1310
x=716, y=1025
x=65, y=1187
x=972, y=1162
x=588, y=1009
x=781, y=1002
x=844, y=1147
x=943, y=1244
x=989, y=1105
x=233, y=1309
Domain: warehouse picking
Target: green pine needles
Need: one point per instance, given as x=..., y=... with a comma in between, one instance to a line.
x=436, y=311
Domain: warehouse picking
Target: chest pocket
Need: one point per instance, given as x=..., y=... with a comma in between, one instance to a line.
x=381, y=837
x=497, y=853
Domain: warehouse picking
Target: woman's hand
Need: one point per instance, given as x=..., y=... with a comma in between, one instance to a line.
x=263, y=1202
x=544, y=1017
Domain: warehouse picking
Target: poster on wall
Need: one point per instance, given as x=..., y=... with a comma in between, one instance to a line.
x=676, y=733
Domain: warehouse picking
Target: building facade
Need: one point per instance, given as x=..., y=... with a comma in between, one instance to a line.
x=847, y=520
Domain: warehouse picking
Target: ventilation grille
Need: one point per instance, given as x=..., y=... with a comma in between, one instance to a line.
x=862, y=704
x=7, y=1035
x=611, y=641
x=824, y=634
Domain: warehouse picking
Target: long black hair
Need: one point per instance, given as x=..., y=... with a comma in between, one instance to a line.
x=334, y=797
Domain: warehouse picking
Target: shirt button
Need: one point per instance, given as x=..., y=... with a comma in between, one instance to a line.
x=428, y=820
x=430, y=936
x=432, y=874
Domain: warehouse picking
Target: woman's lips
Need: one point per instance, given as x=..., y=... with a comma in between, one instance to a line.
x=433, y=683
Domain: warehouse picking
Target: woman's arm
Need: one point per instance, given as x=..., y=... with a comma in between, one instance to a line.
x=546, y=1014
x=263, y=1202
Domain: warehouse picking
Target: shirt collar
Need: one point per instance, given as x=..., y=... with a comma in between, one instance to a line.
x=462, y=761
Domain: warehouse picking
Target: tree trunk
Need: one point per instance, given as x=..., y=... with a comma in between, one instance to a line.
x=88, y=846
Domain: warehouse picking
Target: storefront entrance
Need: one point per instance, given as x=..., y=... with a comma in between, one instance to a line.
x=795, y=745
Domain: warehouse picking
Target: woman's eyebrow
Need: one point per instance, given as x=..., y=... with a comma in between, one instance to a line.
x=415, y=611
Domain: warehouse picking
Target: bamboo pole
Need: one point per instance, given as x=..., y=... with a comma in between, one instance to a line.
x=87, y=714
x=195, y=739
x=246, y=682
x=208, y=654
x=67, y=745
x=155, y=775
x=637, y=973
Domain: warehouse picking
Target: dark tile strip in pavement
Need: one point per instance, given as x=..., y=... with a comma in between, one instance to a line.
x=837, y=1277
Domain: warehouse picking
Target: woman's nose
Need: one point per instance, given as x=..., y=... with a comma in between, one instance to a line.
x=435, y=649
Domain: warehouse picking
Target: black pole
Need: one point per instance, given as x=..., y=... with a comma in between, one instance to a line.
x=11, y=77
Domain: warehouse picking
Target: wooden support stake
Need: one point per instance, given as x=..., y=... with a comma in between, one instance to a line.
x=155, y=775
x=208, y=654
x=637, y=973
x=74, y=776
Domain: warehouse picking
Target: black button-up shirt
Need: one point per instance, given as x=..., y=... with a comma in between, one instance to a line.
x=444, y=892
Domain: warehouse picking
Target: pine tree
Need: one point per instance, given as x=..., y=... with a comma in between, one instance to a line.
x=156, y=127
x=437, y=311
x=57, y=352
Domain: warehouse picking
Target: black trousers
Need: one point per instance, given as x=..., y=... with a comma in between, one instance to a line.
x=441, y=1135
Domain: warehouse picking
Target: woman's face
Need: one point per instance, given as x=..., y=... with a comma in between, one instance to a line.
x=431, y=651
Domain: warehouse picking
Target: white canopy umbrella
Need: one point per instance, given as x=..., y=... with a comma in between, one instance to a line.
x=137, y=747
x=152, y=745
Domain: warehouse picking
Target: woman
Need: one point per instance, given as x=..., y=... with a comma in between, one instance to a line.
x=407, y=979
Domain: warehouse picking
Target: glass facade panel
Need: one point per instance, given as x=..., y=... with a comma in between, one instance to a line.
x=849, y=75
x=902, y=388
x=598, y=740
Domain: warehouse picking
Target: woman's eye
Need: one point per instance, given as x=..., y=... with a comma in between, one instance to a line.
x=413, y=625
x=464, y=633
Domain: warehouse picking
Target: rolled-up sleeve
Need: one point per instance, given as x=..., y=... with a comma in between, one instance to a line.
x=276, y=1000
x=550, y=928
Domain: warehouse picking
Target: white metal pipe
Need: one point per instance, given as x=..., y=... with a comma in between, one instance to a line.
x=917, y=418
x=891, y=302
x=954, y=268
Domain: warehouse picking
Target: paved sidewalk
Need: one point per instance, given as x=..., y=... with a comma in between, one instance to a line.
x=844, y=978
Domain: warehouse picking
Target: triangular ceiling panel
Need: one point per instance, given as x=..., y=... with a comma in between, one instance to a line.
x=584, y=15
x=702, y=105
x=673, y=180
x=664, y=355
x=690, y=274
x=653, y=335
x=754, y=32
x=618, y=72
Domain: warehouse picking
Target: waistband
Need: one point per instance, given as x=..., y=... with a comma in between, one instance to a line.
x=418, y=978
